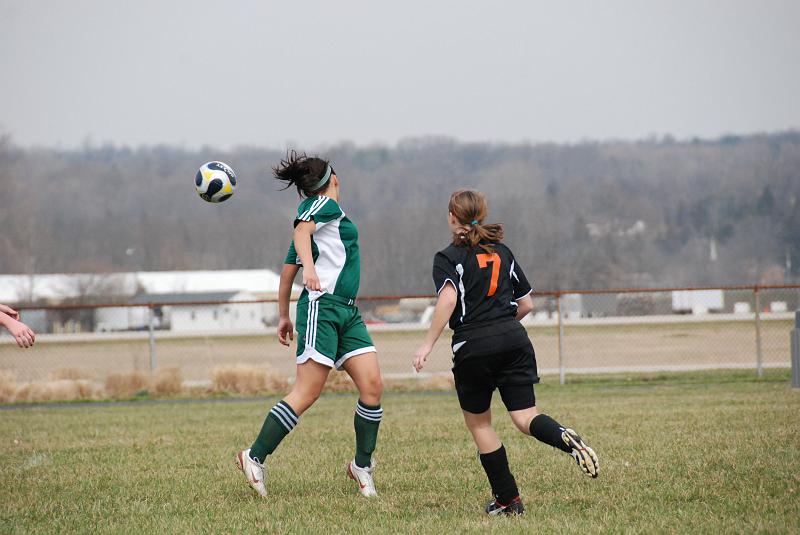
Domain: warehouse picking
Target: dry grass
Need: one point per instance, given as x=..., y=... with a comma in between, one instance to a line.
x=55, y=389
x=69, y=384
x=339, y=382
x=247, y=379
x=8, y=386
x=126, y=385
x=58, y=390
x=167, y=382
x=72, y=374
x=434, y=383
x=439, y=382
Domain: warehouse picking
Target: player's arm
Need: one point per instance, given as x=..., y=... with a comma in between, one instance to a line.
x=23, y=334
x=302, y=244
x=7, y=310
x=524, y=306
x=285, y=326
x=521, y=288
x=445, y=305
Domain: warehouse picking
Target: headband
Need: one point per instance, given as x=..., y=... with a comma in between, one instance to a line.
x=324, y=179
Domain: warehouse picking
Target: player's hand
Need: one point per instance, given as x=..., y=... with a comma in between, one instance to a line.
x=22, y=333
x=310, y=279
x=285, y=331
x=420, y=356
x=9, y=311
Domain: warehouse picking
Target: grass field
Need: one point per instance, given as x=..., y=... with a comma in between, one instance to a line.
x=711, y=452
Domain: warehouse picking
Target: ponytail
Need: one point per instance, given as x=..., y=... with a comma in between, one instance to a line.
x=310, y=175
x=477, y=234
x=470, y=209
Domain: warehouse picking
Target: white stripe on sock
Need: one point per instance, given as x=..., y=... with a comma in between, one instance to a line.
x=366, y=416
x=289, y=416
x=369, y=418
x=281, y=419
x=361, y=407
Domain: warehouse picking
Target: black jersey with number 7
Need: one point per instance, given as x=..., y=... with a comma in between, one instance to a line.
x=488, y=285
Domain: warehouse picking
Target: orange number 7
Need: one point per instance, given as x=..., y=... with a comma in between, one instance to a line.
x=484, y=259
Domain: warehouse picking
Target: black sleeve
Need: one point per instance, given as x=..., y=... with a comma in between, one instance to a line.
x=443, y=271
x=518, y=280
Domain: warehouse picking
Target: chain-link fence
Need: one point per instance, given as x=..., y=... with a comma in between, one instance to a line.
x=573, y=332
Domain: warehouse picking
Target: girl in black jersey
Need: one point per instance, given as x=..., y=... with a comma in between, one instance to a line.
x=484, y=293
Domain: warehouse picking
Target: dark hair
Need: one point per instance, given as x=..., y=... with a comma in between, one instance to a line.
x=470, y=209
x=303, y=172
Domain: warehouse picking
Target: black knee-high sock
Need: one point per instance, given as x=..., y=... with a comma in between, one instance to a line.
x=504, y=487
x=547, y=430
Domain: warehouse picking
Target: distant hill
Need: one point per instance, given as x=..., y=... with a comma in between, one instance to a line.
x=589, y=215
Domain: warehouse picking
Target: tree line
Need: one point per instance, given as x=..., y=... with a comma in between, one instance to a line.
x=588, y=215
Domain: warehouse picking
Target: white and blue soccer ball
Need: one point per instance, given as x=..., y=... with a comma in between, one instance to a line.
x=215, y=182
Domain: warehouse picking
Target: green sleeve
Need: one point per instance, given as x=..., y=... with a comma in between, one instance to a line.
x=291, y=255
x=321, y=210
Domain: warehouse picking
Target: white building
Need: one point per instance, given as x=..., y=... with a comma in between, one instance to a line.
x=55, y=287
x=698, y=301
x=216, y=288
x=210, y=311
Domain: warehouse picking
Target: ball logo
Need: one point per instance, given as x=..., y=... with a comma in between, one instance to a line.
x=215, y=182
x=220, y=166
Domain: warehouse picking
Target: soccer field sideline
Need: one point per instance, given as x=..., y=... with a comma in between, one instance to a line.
x=674, y=319
x=587, y=348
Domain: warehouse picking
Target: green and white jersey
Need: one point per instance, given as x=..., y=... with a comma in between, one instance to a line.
x=334, y=247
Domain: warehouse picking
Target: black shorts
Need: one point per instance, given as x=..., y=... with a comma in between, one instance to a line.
x=513, y=372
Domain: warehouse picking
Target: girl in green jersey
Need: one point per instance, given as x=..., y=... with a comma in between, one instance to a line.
x=329, y=326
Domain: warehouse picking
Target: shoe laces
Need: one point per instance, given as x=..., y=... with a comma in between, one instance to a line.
x=364, y=470
x=254, y=461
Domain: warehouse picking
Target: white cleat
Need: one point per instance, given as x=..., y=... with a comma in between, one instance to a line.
x=582, y=453
x=363, y=476
x=253, y=471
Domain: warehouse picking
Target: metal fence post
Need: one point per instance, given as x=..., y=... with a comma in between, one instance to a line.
x=561, y=371
x=759, y=367
x=152, y=339
x=796, y=351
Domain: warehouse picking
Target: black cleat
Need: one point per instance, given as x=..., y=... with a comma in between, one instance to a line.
x=583, y=454
x=514, y=508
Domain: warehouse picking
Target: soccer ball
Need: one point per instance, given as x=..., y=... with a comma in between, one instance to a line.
x=215, y=182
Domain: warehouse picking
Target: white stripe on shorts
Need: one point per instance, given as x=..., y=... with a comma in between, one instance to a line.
x=308, y=325
x=314, y=313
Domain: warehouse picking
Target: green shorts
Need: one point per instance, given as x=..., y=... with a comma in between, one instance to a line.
x=330, y=331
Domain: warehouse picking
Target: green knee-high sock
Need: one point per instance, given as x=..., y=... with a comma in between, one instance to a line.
x=366, y=422
x=280, y=420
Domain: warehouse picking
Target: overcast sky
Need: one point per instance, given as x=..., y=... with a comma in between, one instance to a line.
x=316, y=72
